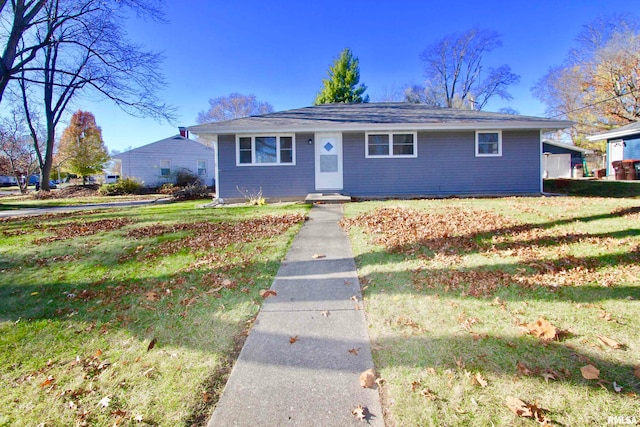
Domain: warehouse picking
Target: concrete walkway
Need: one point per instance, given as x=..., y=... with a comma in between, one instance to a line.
x=295, y=368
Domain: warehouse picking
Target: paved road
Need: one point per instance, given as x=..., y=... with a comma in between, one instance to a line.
x=58, y=209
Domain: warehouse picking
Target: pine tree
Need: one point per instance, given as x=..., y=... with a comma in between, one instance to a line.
x=82, y=150
x=341, y=86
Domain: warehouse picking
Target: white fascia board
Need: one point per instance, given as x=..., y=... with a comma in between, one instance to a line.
x=612, y=135
x=526, y=125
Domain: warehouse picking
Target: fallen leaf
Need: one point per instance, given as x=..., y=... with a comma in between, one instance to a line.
x=325, y=313
x=542, y=329
x=266, y=293
x=206, y=397
x=98, y=353
x=360, y=412
x=367, y=379
x=293, y=339
x=590, y=372
x=528, y=410
x=318, y=256
x=478, y=379
x=119, y=413
x=138, y=418
x=152, y=344
x=152, y=296
x=48, y=381
x=105, y=401
x=549, y=374
x=636, y=371
x=431, y=371
x=428, y=393
x=611, y=343
x=354, y=351
x=518, y=407
x=354, y=298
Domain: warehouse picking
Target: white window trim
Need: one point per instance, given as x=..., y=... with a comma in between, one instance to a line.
x=168, y=167
x=253, y=149
x=499, y=153
x=206, y=168
x=391, y=155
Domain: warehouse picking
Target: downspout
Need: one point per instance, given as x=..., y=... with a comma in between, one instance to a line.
x=216, y=170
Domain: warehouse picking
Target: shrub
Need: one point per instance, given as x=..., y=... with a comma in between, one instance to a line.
x=192, y=192
x=252, y=197
x=185, y=178
x=124, y=186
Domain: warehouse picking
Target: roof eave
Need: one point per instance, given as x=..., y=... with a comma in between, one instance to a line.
x=488, y=125
x=612, y=135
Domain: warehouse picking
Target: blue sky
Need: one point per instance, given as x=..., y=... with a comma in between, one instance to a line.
x=280, y=50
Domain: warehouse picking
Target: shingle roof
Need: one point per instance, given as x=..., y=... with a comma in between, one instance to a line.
x=371, y=116
x=627, y=130
x=567, y=146
x=146, y=147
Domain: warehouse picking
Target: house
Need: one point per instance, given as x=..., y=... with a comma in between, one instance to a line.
x=623, y=143
x=559, y=158
x=375, y=150
x=159, y=163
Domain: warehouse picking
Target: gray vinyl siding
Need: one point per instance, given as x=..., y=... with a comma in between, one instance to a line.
x=143, y=163
x=276, y=181
x=446, y=164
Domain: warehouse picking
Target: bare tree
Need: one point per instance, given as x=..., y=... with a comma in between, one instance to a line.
x=20, y=16
x=234, y=106
x=598, y=85
x=16, y=147
x=88, y=55
x=455, y=75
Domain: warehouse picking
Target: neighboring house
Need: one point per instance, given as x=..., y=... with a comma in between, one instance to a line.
x=378, y=150
x=558, y=158
x=158, y=163
x=623, y=143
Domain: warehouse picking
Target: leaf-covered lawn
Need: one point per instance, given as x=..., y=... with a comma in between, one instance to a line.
x=516, y=311
x=130, y=316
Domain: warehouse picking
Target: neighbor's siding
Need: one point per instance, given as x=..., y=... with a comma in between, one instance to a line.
x=143, y=163
x=576, y=156
x=632, y=147
x=446, y=165
x=275, y=181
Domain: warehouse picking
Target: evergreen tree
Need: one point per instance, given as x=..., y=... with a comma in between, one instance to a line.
x=82, y=150
x=341, y=86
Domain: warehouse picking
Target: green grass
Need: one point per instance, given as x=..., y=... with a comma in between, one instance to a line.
x=593, y=188
x=443, y=310
x=78, y=310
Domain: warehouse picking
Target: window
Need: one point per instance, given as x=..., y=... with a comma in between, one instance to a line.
x=488, y=143
x=389, y=144
x=165, y=167
x=202, y=167
x=266, y=150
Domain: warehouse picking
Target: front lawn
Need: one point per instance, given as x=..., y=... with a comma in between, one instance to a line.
x=515, y=311
x=130, y=316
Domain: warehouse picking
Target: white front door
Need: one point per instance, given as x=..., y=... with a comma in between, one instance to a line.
x=616, y=152
x=328, y=161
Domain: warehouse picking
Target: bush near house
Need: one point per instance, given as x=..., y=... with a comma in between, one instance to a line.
x=123, y=186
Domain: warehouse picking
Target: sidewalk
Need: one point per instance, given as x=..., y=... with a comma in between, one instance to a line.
x=311, y=380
